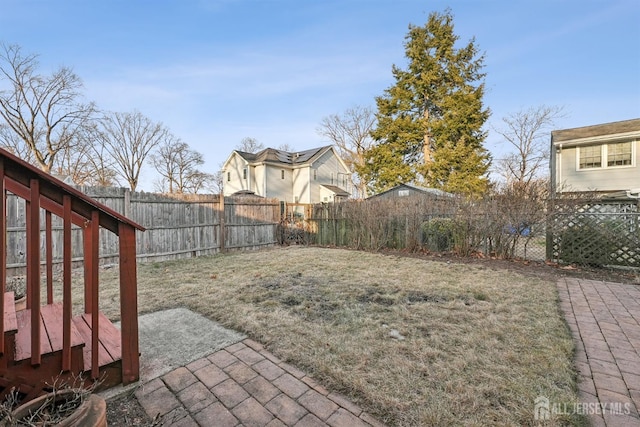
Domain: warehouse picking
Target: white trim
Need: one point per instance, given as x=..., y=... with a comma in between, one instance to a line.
x=604, y=156
x=617, y=137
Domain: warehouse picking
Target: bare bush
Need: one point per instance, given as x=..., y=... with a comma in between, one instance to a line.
x=501, y=225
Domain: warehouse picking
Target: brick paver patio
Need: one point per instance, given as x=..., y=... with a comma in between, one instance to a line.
x=604, y=319
x=244, y=384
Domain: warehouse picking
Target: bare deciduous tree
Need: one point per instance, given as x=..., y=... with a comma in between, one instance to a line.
x=351, y=134
x=527, y=134
x=100, y=162
x=178, y=165
x=75, y=164
x=199, y=181
x=286, y=147
x=216, y=186
x=42, y=114
x=130, y=138
x=11, y=141
x=250, y=145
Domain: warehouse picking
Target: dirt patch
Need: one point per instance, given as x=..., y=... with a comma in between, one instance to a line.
x=126, y=411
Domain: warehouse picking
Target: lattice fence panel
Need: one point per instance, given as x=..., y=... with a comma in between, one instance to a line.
x=599, y=233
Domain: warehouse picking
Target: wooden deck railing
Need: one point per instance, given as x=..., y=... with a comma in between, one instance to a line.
x=42, y=192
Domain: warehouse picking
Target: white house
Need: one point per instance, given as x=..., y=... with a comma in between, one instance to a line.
x=602, y=158
x=310, y=176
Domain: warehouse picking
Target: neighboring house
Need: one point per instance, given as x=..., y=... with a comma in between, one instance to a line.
x=405, y=190
x=310, y=176
x=602, y=158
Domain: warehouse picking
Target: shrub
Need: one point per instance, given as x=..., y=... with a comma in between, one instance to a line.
x=438, y=234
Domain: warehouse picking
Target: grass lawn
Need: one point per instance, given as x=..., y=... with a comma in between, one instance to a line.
x=479, y=344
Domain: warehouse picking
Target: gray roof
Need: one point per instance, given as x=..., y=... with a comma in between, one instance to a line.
x=271, y=155
x=427, y=190
x=613, y=128
x=336, y=190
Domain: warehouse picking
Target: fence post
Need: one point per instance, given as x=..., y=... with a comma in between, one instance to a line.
x=221, y=215
x=127, y=203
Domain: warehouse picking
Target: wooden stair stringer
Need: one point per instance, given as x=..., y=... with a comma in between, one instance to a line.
x=10, y=329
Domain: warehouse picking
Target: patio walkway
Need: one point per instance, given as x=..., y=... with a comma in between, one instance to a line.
x=243, y=384
x=604, y=319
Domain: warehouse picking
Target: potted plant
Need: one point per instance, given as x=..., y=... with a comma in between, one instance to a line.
x=72, y=406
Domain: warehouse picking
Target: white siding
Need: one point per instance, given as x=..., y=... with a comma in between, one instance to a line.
x=302, y=184
x=234, y=170
x=298, y=183
x=569, y=178
x=330, y=171
x=324, y=195
x=259, y=180
x=277, y=187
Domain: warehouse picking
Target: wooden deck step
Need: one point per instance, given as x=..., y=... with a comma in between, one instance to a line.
x=10, y=321
x=50, y=332
x=109, y=344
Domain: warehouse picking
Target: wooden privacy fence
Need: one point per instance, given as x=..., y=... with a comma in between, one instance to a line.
x=176, y=226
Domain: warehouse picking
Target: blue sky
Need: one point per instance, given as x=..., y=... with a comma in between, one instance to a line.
x=216, y=71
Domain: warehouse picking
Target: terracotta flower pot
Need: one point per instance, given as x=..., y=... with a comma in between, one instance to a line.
x=91, y=412
x=21, y=303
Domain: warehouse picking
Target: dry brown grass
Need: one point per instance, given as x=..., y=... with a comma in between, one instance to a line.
x=480, y=345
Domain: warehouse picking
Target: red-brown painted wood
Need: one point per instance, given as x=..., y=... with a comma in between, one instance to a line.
x=106, y=349
x=94, y=293
x=23, y=191
x=33, y=269
x=24, y=336
x=21, y=172
x=10, y=322
x=129, y=305
x=66, y=283
x=52, y=320
x=110, y=338
x=3, y=255
x=49, y=256
x=11, y=327
x=52, y=334
x=88, y=266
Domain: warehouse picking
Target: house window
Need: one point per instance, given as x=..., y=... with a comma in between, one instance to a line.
x=616, y=154
x=244, y=173
x=331, y=178
x=591, y=157
x=619, y=154
x=315, y=174
x=403, y=193
x=228, y=176
x=282, y=173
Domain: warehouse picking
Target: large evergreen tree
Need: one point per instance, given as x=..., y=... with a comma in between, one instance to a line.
x=430, y=121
